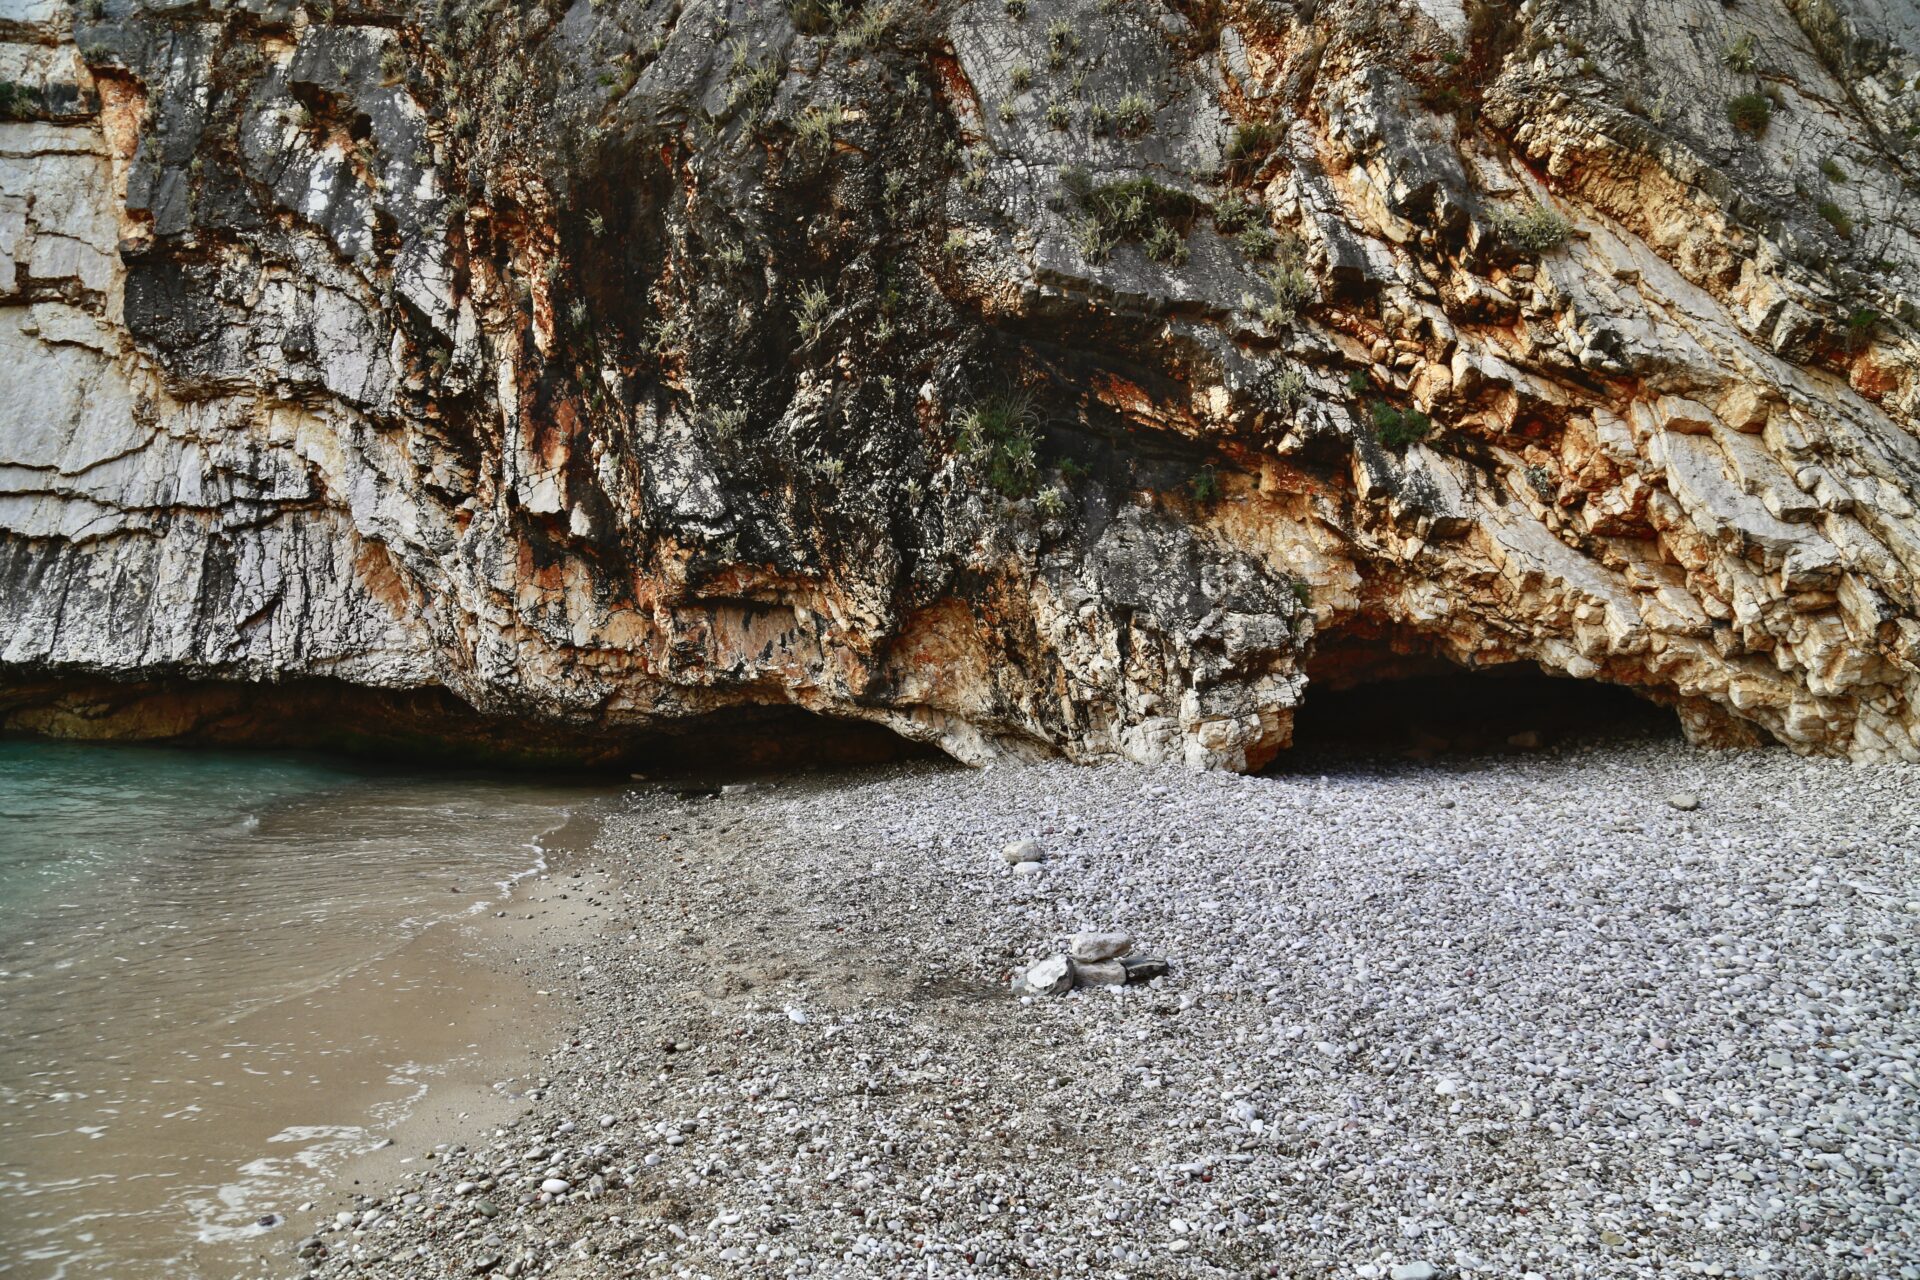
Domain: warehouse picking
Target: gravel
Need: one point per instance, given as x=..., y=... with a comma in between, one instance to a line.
x=1510, y=1017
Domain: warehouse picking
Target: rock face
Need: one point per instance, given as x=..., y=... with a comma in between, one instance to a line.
x=1093, y=378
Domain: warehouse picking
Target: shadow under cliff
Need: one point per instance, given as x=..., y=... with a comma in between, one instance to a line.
x=433, y=726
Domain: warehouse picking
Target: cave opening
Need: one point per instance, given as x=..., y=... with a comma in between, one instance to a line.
x=767, y=739
x=1394, y=695
x=431, y=727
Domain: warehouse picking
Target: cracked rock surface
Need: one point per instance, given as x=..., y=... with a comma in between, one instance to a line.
x=1084, y=378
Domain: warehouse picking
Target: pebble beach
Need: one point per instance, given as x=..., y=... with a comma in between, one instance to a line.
x=1609, y=1010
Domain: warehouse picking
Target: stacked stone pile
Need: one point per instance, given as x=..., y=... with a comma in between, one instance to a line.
x=1090, y=960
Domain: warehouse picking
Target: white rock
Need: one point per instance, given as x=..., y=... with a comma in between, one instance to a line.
x=556, y=1186
x=1023, y=851
x=1099, y=946
x=1028, y=868
x=1413, y=1271
x=1050, y=977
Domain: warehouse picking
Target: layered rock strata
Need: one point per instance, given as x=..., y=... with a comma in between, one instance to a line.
x=1095, y=378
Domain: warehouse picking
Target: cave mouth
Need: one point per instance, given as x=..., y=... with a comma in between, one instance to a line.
x=1380, y=698
x=430, y=727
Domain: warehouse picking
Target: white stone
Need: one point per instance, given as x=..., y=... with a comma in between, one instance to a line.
x=1049, y=977
x=1023, y=851
x=1099, y=946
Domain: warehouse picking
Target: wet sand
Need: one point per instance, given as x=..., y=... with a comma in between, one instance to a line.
x=178, y=1088
x=474, y=1025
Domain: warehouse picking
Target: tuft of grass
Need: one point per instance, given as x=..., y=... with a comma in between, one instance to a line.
x=21, y=101
x=1058, y=114
x=1051, y=502
x=1002, y=434
x=1249, y=146
x=393, y=64
x=1532, y=229
x=1358, y=382
x=1398, y=428
x=1257, y=242
x=815, y=127
x=811, y=314
x=754, y=81
x=1138, y=210
x=1831, y=170
x=1020, y=78
x=1739, y=55
x=1133, y=115
x=1016, y=9
x=725, y=422
x=1165, y=244
x=1861, y=322
x=816, y=17
x=1204, y=484
x=867, y=31
x=1234, y=212
x=1750, y=113
x=1061, y=42
x=1287, y=388
x=1291, y=288
x=1836, y=218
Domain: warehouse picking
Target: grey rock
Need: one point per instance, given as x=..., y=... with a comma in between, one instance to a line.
x=1099, y=973
x=1143, y=968
x=1684, y=801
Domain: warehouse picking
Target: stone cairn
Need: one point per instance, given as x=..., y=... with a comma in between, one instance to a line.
x=1090, y=960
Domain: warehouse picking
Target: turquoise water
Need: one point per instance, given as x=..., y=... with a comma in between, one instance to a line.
x=209, y=964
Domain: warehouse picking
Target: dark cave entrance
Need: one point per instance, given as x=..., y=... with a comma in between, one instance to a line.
x=1392, y=695
x=432, y=728
x=767, y=739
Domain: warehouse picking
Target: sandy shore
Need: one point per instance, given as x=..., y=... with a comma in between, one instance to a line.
x=1515, y=1016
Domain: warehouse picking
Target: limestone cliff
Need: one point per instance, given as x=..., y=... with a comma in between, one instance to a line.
x=1094, y=376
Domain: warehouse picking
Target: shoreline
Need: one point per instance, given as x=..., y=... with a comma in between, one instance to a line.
x=504, y=950
x=1449, y=1015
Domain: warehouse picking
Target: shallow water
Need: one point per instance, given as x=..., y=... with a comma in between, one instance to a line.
x=223, y=974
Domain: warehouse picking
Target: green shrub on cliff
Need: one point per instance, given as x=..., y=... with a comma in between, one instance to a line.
x=1249, y=146
x=1002, y=434
x=1750, y=113
x=1532, y=229
x=1398, y=428
x=20, y=101
x=1138, y=210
